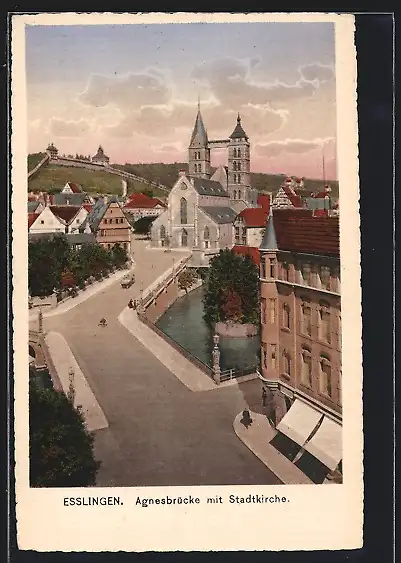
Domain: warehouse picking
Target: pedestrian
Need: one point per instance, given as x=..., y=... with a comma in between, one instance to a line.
x=264, y=396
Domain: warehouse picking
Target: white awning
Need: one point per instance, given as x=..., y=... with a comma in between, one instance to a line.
x=326, y=444
x=299, y=422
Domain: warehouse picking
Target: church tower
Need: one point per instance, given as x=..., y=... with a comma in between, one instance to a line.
x=198, y=150
x=239, y=178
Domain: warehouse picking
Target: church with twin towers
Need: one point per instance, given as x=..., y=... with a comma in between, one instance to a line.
x=203, y=204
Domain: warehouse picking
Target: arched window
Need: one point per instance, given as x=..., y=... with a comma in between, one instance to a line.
x=325, y=386
x=286, y=316
x=235, y=194
x=238, y=153
x=286, y=362
x=235, y=178
x=238, y=166
x=184, y=238
x=183, y=211
x=324, y=328
x=239, y=178
x=306, y=367
x=306, y=317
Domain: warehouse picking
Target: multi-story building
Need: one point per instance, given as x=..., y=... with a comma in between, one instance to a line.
x=301, y=338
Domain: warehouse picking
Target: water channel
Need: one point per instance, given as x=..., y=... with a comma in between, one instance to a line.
x=183, y=322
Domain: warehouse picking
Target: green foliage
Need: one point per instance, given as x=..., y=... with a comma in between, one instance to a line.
x=60, y=447
x=186, y=279
x=52, y=264
x=232, y=289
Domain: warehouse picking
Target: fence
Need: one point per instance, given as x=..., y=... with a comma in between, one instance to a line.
x=195, y=361
x=229, y=374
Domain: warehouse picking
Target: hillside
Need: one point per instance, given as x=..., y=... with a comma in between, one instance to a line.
x=53, y=176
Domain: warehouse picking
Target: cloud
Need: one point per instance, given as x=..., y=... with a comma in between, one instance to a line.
x=316, y=72
x=290, y=146
x=233, y=85
x=127, y=92
x=62, y=128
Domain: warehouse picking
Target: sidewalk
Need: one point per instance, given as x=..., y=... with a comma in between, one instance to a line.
x=257, y=438
x=64, y=360
x=192, y=377
x=72, y=302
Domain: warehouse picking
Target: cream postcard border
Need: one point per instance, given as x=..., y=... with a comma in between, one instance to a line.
x=317, y=517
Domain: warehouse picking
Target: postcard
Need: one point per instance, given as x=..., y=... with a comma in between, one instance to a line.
x=186, y=282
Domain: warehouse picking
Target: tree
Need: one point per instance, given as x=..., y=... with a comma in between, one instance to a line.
x=60, y=447
x=230, y=275
x=186, y=279
x=232, y=308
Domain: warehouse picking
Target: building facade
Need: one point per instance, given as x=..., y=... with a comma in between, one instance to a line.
x=301, y=334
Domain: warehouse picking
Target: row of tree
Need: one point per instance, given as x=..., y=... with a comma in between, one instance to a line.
x=231, y=289
x=53, y=265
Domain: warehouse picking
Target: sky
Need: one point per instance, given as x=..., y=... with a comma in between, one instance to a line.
x=134, y=89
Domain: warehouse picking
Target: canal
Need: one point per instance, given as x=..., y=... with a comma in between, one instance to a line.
x=183, y=322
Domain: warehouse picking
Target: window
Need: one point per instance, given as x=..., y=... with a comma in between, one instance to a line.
x=285, y=271
x=263, y=268
x=325, y=376
x=286, y=316
x=265, y=355
x=286, y=362
x=263, y=310
x=306, y=318
x=206, y=236
x=272, y=268
x=183, y=211
x=184, y=238
x=325, y=277
x=272, y=310
x=306, y=367
x=324, y=322
x=274, y=352
x=306, y=274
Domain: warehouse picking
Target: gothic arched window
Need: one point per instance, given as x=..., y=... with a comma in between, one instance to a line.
x=183, y=211
x=184, y=238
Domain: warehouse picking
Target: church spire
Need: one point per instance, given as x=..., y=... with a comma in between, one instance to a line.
x=199, y=136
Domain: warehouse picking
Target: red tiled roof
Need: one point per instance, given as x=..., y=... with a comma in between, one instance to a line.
x=254, y=216
x=251, y=251
x=296, y=200
x=310, y=235
x=32, y=218
x=65, y=212
x=141, y=201
x=75, y=188
x=264, y=201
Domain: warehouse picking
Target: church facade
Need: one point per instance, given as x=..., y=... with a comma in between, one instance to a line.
x=202, y=207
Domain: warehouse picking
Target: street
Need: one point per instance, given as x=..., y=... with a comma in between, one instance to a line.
x=160, y=433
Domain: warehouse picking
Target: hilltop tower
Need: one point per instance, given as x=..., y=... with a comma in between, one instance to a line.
x=239, y=178
x=198, y=150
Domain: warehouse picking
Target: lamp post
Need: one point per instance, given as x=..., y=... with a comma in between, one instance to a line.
x=216, y=358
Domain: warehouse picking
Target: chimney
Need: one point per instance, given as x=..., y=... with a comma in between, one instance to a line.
x=182, y=173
